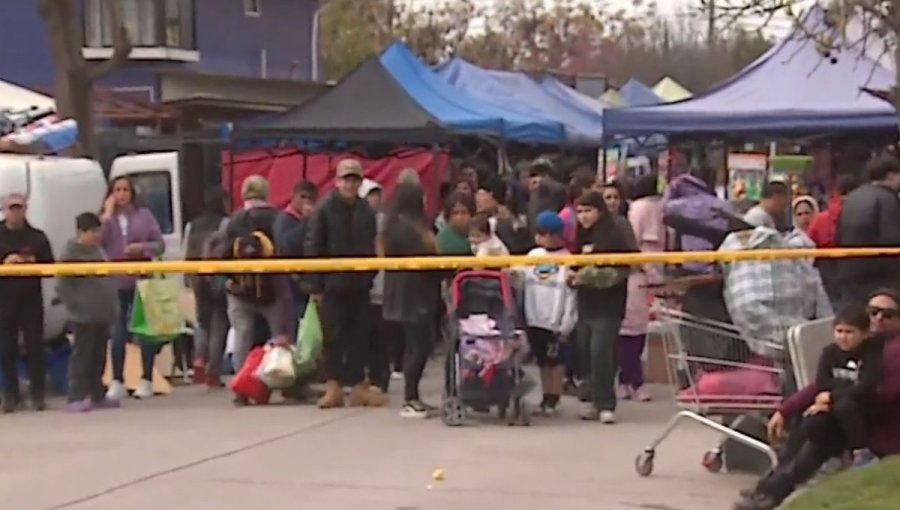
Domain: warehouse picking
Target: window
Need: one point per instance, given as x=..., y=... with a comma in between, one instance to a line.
x=150, y=23
x=253, y=7
x=154, y=191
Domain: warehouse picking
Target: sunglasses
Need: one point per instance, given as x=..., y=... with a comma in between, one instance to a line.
x=887, y=313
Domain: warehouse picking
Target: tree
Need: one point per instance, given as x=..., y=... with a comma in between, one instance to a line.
x=571, y=36
x=75, y=77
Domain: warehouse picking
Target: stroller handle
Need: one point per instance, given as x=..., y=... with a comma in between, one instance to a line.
x=481, y=273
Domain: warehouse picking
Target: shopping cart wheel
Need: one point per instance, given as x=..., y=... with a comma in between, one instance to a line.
x=712, y=460
x=453, y=412
x=643, y=464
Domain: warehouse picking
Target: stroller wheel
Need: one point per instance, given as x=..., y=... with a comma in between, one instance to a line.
x=524, y=415
x=521, y=414
x=453, y=412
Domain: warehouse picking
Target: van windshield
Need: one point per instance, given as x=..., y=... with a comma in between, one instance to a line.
x=154, y=191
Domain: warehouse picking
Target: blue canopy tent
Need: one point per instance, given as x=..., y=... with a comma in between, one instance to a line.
x=791, y=89
x=636, y=93
x=565, y=93
x=463, y=111
x=517, y=92
x=396, y=99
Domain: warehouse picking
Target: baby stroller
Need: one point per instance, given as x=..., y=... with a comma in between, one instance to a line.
x=484, y=364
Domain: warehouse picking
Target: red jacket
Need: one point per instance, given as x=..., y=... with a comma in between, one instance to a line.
x=884, y=432
x=823, y=229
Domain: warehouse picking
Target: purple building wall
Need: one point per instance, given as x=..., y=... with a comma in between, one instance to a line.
x=229, y=42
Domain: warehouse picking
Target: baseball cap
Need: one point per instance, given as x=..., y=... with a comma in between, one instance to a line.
x=14, y=200
x=549, y=222
x=368, y=186
x=349, y=168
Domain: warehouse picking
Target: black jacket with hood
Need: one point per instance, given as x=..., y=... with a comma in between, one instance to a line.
x=341, y=229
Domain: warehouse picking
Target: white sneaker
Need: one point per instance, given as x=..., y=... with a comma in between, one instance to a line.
x=144, y=389
x=116, y=391
x=397, y=376
x=607, y=417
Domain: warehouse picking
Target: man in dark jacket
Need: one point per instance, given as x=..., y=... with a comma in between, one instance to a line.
x=871, y=218
x=290, y=236
x=22, y=303
x=344, y=226
x=545, y=193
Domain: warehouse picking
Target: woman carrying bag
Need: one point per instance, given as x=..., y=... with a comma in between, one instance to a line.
x=129, y=233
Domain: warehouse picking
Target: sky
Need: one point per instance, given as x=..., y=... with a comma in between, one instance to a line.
x=776, y=27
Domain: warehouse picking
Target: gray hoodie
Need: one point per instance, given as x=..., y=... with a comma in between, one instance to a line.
x=88, y=299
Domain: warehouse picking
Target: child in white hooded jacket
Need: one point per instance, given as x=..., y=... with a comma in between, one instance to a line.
x=550, y=307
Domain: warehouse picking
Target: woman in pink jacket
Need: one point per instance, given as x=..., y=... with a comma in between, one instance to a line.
x=645, y=216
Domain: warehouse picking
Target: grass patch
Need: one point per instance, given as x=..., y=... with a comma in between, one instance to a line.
x=876, y=487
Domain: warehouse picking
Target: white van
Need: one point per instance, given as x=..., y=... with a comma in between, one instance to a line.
x=58, y=190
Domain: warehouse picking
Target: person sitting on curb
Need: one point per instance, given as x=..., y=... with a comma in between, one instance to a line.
x=800, y=461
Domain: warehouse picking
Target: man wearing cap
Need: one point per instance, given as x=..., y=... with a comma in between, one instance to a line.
x=256, y=217
x=344, y=226
x=22, y=303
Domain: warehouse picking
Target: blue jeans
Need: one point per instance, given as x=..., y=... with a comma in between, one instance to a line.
x=120, y=338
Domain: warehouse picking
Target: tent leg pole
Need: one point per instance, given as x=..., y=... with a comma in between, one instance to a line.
x=603, y=167
x=305, y=155
x=231, y=171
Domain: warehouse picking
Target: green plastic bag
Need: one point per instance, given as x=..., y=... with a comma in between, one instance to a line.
x=309, y=342
x=156, y=314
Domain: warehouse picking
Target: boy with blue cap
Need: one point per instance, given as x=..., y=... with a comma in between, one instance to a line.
x=550, y=307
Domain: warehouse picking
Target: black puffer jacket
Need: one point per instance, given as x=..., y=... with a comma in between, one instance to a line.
x=870, y=217
x=341, y=229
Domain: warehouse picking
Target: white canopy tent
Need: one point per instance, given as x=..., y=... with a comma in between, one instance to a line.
x=16, y=98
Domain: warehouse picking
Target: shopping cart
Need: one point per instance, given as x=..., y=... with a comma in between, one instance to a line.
x=716, y=372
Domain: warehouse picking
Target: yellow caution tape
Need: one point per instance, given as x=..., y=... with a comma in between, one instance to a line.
x=418, y=263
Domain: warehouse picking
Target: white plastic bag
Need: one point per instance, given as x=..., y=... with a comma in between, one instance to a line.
x=277, y=368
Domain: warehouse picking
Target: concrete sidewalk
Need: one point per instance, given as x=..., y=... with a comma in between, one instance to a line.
x=194, y=451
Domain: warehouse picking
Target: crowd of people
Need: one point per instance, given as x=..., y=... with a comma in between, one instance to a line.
x=587, y=326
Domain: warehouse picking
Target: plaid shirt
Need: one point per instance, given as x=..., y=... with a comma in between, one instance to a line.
x=765, y=298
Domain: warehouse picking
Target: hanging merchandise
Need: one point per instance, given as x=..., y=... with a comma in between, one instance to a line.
x=746, y=175
x=790, y=169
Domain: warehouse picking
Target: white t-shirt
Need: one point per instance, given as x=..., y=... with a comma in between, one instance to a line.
x=758, y=217
x=123, y=225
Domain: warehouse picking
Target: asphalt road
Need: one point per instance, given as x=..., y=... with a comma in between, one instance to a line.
x=193, y=451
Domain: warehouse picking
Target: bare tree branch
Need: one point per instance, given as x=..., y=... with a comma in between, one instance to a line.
x=121, y=42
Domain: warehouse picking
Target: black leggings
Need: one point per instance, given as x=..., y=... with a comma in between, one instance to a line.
x=418, y=338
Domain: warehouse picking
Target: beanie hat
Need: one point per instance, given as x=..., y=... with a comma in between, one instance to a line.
x=255, y=187
x=548, y=222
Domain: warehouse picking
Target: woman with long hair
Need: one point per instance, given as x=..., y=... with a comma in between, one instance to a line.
x=602, y=293
x=453, y=236
x=411, y=297
x=129, y=232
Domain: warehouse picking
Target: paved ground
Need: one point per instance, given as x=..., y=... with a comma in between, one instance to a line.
x=193, y=451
